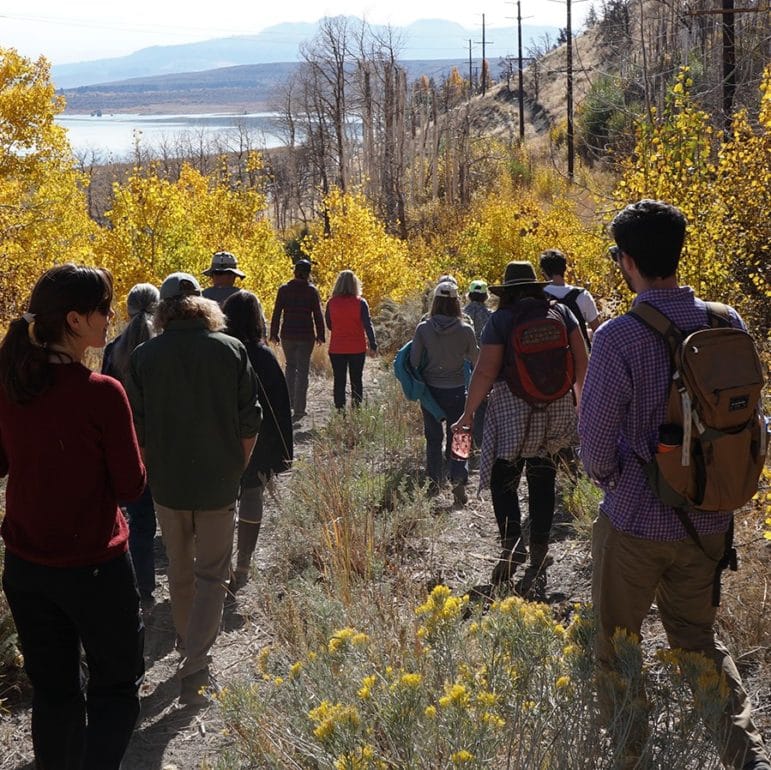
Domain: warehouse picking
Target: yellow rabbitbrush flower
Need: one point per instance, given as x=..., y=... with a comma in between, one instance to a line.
x=262, y=660
x=344, y=636
x=365, y=691
x=456, y=696
x=361, y=759
x=441, y=610
x=493, y=720
x=329, y=717
x=461, y=757
x=411, y=681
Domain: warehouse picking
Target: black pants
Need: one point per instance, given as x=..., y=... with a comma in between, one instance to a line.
x=342, y=365
x=504, y=481
x=57, y=610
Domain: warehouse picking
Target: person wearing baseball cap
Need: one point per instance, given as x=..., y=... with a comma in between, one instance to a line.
x=193, y=393
x=479, y=313
x=223, y=272
x=441, y=346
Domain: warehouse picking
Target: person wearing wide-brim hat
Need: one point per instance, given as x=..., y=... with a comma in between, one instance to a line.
x=223, y=272
x=518, y=437
x=517, y=274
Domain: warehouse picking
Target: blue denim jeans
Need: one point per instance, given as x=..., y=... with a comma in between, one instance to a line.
x=142, y=526
x=451, y=401
x=56, y=610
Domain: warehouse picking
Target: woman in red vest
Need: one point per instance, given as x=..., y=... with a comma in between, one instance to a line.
x=348, y=320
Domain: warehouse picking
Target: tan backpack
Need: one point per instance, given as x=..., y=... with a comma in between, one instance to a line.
x=713, y=446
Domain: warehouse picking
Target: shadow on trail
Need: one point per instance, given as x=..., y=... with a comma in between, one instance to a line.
x=149, y=742
x=159, y=632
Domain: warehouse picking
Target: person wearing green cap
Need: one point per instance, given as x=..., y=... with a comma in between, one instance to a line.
x=476, y=309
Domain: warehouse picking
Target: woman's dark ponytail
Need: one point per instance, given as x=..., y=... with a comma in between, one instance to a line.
x=24, y=367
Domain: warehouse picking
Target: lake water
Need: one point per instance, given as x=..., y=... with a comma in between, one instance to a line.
x=113, y=136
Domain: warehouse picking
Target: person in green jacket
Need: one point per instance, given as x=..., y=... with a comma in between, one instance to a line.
x=194, y=397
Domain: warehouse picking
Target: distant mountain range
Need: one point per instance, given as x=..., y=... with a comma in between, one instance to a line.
x=428, y=39
x=246, y=88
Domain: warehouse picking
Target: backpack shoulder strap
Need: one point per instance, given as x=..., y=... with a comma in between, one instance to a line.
x=718, y=314
x=572, y=295
x=654, y=319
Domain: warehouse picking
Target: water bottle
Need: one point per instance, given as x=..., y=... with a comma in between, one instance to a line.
x=460, y=448
x=670, y=437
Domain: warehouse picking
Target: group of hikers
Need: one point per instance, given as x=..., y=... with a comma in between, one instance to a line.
x=192, y=416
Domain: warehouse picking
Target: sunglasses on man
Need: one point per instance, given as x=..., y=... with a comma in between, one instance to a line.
x=614, y=252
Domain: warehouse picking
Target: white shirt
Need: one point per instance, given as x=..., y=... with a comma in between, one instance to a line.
x=584, y=300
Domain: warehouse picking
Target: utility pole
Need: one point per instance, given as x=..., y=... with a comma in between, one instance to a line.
x=521, y=85
x=484, y=58
x=470, y=72
x=728, y=12
x=729, y=63
x=569, y=97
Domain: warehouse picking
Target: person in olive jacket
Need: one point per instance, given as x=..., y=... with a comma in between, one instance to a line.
x=194, y=396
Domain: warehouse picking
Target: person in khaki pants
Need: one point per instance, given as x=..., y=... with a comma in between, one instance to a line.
x=641, y=551
x=194, y=397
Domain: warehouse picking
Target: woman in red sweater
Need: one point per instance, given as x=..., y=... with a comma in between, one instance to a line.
x=348, y=320
x=68, y=446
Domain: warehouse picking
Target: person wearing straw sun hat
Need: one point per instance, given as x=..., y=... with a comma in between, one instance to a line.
x=223, y=272
x=519, y=436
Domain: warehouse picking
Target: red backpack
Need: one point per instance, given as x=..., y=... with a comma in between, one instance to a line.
x=538, y=363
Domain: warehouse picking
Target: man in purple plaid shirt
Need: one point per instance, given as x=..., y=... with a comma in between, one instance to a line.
x=641, y=552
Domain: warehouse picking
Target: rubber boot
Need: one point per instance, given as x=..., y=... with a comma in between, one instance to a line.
x=248, y=532
x=512, y=553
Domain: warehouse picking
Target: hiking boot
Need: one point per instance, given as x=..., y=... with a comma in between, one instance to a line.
x=197, y=689
x=248, y=532
x=757, y=764
x=532, y=585
x=238, y=580
x=459, y=496
x=510, y=557
x=433, y=489
x=539, y=556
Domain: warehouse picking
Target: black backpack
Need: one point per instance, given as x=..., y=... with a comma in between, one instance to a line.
x=571, y=301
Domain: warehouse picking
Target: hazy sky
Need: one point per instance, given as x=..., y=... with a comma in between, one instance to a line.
x=80, y=30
